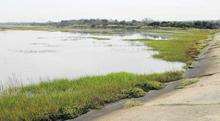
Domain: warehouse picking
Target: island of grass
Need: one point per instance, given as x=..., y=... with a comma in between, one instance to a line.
x=67, y=99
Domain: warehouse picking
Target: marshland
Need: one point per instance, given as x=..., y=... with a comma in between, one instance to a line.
x=115, y=60
x=63, y=73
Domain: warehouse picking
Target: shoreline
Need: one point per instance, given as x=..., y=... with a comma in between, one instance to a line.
x=199, y=66
x=197, y=102
x=109, y=108
x=197, y=70
x=69, y=111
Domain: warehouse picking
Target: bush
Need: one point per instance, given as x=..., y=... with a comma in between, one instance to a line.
x=134, y=93
x=146, y=86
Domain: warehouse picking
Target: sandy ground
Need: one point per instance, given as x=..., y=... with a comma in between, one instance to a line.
x=198, y=102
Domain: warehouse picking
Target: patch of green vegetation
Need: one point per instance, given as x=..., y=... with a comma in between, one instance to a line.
x=185, y=83
x=67, y=99
x=99, y=38
x=183, y=45
x=134, y=39
x=132, y=103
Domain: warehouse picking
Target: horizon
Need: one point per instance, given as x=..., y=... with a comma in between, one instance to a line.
x=24, y=22
x=158, y=10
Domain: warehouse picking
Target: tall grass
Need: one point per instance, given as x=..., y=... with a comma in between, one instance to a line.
x=67, y=99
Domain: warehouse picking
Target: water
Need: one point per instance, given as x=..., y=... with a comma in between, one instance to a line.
x=28, y=57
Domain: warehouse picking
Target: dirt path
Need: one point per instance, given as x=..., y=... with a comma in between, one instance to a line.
x=198, y=102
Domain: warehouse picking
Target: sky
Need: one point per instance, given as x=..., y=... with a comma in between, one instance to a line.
x=56, y=10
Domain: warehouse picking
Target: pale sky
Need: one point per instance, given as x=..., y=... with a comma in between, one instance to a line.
x=56, y=10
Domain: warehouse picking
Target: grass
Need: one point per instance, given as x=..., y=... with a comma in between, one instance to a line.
x=185, y=83
x=133, y=103
x=67, y=99
x=183, y=45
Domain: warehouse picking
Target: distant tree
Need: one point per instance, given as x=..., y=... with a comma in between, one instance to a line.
x=123, y=23
x=104, y=23
x=93, y=26
x=155, y=24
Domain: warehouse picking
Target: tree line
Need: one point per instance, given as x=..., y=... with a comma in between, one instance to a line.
x=189, y=24
x=133, y=24
x=104, y=23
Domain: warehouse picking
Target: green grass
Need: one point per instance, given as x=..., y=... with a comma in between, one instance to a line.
x=183, y=45
x=67, y=99
x=185, y=83
x=133, y=103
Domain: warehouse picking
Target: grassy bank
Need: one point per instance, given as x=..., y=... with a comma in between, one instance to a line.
x=183, y=45
x=66, y=99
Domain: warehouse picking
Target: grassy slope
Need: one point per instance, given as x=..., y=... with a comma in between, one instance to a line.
x=66, y=99
x=183, y=46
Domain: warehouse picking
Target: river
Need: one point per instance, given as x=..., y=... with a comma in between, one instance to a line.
x=28, y=57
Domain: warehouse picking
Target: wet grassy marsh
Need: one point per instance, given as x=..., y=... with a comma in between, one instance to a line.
x=67, y=99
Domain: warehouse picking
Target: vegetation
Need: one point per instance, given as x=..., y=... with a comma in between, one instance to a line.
x=183, y=45
x=132, y=103
x=100, y=38
x=188, y=24
x=185, y=83
x=67, y=99
x=116, y=24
